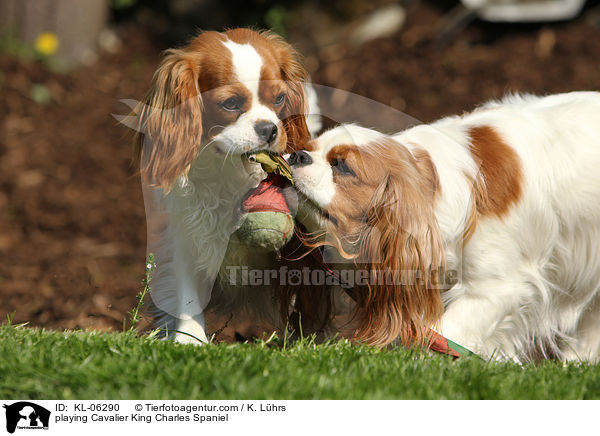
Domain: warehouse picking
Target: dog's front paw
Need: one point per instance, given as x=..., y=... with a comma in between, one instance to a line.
x=191, y=331
x=182, y=338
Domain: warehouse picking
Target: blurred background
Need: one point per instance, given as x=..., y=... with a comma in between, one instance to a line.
x=72, y=225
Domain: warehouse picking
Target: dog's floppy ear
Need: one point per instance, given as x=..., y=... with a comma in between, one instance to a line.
x=170, y=118
x=401, y=246
x=296, y=105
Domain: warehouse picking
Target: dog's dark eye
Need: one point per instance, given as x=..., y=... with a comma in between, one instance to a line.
x=232, y=104
x=340, y=166
x=279, y=99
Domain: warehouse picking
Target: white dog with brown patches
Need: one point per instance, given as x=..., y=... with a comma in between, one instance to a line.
x=507, y=196
x=222, y=95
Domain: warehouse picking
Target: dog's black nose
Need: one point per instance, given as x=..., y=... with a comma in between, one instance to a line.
x=266, y=130
x=299, y=159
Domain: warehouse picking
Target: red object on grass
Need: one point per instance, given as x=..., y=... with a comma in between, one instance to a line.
x=440, y=344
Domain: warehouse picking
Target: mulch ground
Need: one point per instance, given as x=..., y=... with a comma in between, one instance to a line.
x=72, y=226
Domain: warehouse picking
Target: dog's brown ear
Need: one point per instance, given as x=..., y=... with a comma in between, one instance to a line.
x=401, y=246
x=170, y=121
x=296, y=106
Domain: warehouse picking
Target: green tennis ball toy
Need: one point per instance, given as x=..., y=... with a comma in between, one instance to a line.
x=266, y=221
x=268, y=230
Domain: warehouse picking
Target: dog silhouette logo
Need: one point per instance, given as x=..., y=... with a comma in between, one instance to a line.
x=26, y=415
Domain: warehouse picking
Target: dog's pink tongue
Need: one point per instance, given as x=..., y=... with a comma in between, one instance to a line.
x=267, y=196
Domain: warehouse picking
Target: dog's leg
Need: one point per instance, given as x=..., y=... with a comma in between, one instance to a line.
x=191, y=330
x=487, y=317
x=586, y=344
x=193, y=295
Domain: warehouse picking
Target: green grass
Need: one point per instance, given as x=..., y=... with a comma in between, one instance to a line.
x=86, y=365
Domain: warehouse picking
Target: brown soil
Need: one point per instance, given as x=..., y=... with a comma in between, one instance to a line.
x=72, y=226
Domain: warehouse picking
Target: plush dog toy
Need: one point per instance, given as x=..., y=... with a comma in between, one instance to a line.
x=265, y=218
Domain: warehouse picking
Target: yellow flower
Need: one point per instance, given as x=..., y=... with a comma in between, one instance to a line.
x=46, y=43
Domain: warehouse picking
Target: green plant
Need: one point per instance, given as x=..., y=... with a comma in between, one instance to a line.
x=12, y=45
x=276, y=18
x=122, y=4
x=135, y=312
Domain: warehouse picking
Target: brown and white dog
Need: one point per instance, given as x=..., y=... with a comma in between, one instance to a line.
x=220, y=96
x=506, y=197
